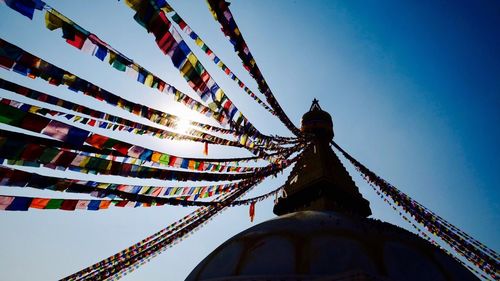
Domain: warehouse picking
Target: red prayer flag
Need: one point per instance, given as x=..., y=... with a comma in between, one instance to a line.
x=97, y=141
x=68, y=205
x=78, y=41
x=252, y=211
x=205, y=150
x=121, y=203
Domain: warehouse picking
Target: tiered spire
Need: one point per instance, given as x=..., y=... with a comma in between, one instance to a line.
x=319, y=181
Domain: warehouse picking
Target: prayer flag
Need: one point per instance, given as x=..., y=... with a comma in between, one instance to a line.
x=93, y=205
x=5, y=202
x=39, y=203
x=19, y=204
x=54, y=204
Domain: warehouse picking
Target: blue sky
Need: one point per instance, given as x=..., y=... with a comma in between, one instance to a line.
x=413, y=88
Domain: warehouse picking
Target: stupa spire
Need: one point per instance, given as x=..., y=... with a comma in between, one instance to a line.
x=319, y=181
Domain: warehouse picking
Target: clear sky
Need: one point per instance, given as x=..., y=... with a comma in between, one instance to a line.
x=414, y=91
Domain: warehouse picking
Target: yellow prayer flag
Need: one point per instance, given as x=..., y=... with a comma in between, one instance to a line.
x=52, y=21
x=112, y=57
x=102, y=185
x=219, y=95
x=243, y=139
x=213, y=106
x=192, y=58
x=167, y=8
x=178, y=95
x=134, y=4
x=187, y=68
x=68, y=79
x=34, y=109
x=149, y=80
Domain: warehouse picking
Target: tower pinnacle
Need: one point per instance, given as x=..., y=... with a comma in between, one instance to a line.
x=319, y=181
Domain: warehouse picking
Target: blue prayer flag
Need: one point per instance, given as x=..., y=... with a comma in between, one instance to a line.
x=93, y=205
x=141, y=77
x=25, y=8
x=184, y=47
x=178, y=57
x=19, y=204
x=77, y=136
x=101, y=53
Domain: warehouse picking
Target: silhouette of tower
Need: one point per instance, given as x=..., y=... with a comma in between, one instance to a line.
x=323, y=233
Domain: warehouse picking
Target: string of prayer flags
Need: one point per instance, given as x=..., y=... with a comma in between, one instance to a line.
x=19, y=153
x=90, y=272
x=87, y=273
x=128, y=258
x=275, y=157
x=170, y=42
x=78, y=162
x=222, y=14
x=23, y=203
x=422, y=232
x=12, y=141
x=26, y=150
x=12, y=57
x=215, y=59
x=23, y=118
x=478, y=254
x=34, y=155
x=170, y=231
x=7, y=136
x=161, y=238
x=100, y=49
x=18, y=178
x=115, y=122
x=16, y=59
x=134, y=248
x=83, y=39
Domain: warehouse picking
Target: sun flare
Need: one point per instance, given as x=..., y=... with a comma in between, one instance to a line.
x=183, y=126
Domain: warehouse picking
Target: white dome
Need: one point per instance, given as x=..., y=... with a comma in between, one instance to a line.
x=311, y=245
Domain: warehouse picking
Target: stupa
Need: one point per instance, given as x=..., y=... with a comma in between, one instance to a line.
x=323, y=232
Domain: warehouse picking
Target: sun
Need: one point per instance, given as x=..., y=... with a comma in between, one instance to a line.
x=182, y=126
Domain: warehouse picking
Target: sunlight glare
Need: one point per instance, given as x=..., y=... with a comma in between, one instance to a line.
x=183, y=126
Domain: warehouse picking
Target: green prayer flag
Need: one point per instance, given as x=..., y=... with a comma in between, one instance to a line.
x=48, y=154
x=10, y=115
x=199, y=68
x=176, y=18
x=110, y=143
x=117, y=64
x=164, y=159
x=54, y=204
